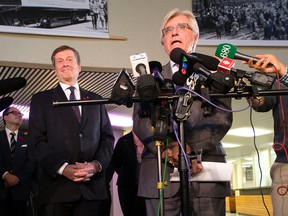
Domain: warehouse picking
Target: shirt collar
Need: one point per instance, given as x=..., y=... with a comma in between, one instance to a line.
x=174, y=66
x=8, y=131
x=65, y=86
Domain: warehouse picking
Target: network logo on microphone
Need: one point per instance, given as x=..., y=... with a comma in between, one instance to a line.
x=225, y=65
x=184, y=65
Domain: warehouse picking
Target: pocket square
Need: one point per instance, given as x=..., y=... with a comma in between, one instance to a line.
x=24, y=145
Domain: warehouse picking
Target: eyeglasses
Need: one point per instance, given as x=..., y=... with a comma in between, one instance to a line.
x=15, y=113
x=179, y=26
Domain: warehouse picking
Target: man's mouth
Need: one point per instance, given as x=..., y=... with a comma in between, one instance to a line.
x=176, y=41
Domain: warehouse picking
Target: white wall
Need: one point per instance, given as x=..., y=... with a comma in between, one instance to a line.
x=138, y=21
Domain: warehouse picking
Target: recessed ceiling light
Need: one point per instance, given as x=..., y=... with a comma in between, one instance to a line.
x=248, y=132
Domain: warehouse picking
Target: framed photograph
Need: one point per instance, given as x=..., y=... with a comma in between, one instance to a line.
x=249, y=175
x=76, y=18
x=243, y=22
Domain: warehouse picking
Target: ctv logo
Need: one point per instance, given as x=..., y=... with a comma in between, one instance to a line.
x=184, y=65
x=184, y=68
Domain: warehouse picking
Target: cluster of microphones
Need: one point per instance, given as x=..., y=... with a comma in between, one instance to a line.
x=195, y=71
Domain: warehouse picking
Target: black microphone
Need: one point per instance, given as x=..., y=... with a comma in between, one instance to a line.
x=178, y=56
x=179, y=79
x=166, y=86
x=149, y=85
x=188, y=68
x=11, y=84
x=230, y=51
x=123, y=89
x=156, y=70
x=5, y=102
x=186, y=63
x=220, y=81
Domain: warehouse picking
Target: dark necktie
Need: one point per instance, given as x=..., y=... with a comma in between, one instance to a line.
x=75, y=108
x=12, y=143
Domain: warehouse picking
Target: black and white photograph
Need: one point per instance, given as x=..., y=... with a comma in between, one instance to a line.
x=78, y=18
x=242, y=20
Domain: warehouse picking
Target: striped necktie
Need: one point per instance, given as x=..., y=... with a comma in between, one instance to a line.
x=12, y=143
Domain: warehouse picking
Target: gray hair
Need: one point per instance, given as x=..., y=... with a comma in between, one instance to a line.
x=177, y=12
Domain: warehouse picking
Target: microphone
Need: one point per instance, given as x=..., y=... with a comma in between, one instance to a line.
x=220, y=81
x=156, y=71
x=187, y=66
x=260, y=79
x=179, y=79
x=139, y=64
x=147, y=87
x=5, y=102
x=226, y=65
x=230, y=51
x=186, y=63
x=166, y=86
x=178, y=56
x=123, y=89
x=11, y=84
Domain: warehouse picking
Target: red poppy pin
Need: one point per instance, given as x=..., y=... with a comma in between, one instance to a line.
x=21, y=138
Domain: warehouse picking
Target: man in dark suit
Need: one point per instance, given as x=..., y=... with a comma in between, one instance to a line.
x=126, y=160
x=73, y=144
x=16, y=165
x=180, y=30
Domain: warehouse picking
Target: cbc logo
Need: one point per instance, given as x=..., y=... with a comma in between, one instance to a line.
x=225, y=50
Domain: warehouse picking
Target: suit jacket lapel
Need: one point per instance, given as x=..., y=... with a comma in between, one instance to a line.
x=59, y=95
x=167, y=71
x=5, y=141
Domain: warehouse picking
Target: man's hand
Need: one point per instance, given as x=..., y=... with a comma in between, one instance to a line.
x=11, y=180
x=80, y=172
x=196, y=167
x=173, y=152
x=262, y=64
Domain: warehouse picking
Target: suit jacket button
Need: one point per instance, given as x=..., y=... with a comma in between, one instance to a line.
x=81, y=135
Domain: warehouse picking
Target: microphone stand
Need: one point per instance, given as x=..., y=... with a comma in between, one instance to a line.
x=160, y=132
x=172, y=97
x=182, y=113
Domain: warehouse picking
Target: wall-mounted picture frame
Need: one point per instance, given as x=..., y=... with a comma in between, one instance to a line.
x=242, y=22
x=74, y=18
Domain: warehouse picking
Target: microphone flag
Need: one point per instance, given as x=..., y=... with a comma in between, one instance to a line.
x=225, y=65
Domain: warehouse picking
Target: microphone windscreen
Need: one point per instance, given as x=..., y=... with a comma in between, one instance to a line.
x=11, y=84
x=211, y=63
x=123, y=89
x=147, y=88
x=179, y=79
x=5, y=102
x=155, y=65
x=226, y=50
x=175, y=55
